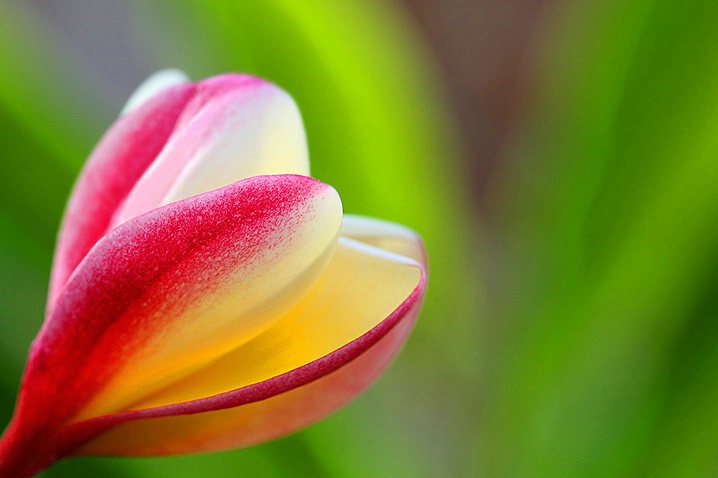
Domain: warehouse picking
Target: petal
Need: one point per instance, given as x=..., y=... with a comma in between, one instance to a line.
x=168, y=292
x=154, y=84
x=385, y=235
x=344, y=304
x=236, y=126
x=114, y=167
x=294, y=373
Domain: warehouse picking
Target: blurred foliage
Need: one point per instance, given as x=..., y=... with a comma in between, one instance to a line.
x=613, y=231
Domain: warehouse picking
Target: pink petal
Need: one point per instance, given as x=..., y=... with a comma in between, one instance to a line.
x=184, y=140
x=116, y=164
x=163, y=287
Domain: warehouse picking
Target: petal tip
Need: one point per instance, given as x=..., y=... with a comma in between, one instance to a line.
x=151, y=86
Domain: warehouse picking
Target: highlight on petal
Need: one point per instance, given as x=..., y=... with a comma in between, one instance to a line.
x=235, y=127
x=184, y=139
x=153, y=85
x=171, y=291
x=319, y=355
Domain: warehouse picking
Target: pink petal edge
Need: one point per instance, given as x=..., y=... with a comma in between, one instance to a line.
x=51, y=395
x=78, y=433
x=116, y=164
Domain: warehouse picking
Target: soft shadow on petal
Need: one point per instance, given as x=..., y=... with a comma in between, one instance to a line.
x=336, y=340
x=360, y=287
x=170, y=291
x=235, y=127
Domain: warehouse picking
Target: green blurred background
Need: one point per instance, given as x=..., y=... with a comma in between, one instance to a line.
x=560, y=159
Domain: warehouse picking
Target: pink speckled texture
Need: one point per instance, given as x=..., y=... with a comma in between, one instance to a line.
x=118, y=161
x=117, y=284
x=120, y=293
x=124, y=155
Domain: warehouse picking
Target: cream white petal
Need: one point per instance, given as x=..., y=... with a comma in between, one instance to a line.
x=151, y=86
x=228, y=133
x=385, y=235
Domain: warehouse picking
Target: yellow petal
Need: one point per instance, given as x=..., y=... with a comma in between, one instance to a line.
x=360, y=287
x=229, y=299
x=257, y=421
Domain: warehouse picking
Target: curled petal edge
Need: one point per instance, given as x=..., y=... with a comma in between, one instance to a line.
x=37, y=435
x=152, y=86
x=109, y=307
x=83, y=432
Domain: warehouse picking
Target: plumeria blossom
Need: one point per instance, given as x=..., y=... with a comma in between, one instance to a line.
x=206, y=292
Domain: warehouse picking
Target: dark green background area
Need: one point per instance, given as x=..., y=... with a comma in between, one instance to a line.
x=571, y=322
